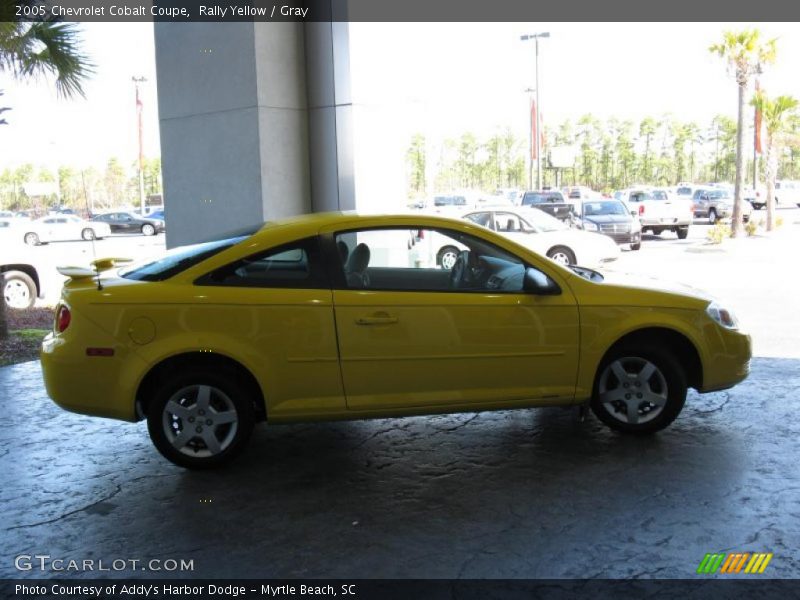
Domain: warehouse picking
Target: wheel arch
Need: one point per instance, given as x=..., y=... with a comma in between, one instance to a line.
x=681, y=346
x=203, y=360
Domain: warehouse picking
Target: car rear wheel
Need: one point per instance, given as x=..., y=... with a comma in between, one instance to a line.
x=148, y=229
x=639, y=390
x=19, y=290
x=447, y=257
x=32, y=239
x=636, y=246
x=562, y=255
x=712, y=216
x=200, y=420
x=683, y=232
x=88, y=234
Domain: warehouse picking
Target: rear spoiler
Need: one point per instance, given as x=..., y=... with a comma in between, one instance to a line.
x=99, y=265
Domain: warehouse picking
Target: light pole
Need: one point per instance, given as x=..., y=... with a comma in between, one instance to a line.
x=530, y=91
x=535, y=37
x=136, y=82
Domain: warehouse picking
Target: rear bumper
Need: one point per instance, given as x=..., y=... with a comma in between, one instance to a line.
x=87, y=385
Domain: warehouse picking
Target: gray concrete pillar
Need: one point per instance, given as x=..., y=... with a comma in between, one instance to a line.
x=255, y=123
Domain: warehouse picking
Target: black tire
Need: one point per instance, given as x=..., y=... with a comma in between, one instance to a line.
x=148, y=229
x=560, y=254
x=12, y=283
x=226, y=387
x=88, y=234
x=712, y=216
x=683, y=232
x=760, y=206
x=32, y=239
x=672, y=375
x=636, y=246
x=657, y=231
x=445, y=255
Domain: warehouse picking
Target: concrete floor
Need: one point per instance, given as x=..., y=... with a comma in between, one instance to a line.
x=512, y=494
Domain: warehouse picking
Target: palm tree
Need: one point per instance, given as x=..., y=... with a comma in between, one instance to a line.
x=30, y=50
x=775, y=115
x=745, y=54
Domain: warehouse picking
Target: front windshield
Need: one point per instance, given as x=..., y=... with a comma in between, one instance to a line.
x=606, y=207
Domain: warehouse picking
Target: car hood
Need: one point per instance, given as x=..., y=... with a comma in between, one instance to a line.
x=642, y=282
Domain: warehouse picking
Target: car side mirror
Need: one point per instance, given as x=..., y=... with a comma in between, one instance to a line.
x=634, y=213
x=536, y=282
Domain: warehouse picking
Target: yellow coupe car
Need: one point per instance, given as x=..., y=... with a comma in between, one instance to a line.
x=345, y=316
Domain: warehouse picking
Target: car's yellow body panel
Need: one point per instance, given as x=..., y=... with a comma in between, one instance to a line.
x=442, y=352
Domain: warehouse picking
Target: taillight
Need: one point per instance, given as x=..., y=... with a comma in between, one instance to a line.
x=63, y=318
x=641, y=209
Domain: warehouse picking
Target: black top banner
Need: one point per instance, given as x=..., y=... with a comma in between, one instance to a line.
x=186, y=11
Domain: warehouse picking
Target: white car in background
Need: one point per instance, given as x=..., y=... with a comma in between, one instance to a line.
x=541, y=233
x=62, y=227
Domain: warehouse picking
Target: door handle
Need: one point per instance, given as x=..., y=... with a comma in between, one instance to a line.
x=377, y=319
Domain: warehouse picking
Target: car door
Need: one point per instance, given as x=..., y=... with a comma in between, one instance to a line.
x=276, y=306
x=409, y=336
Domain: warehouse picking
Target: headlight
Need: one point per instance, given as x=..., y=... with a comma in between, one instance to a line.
x=723, y=316
x=589, y=226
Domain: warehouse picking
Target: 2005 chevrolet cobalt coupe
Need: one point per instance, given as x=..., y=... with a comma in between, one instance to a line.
x=342, y=316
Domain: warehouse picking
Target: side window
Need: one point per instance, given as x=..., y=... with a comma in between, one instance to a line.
x=507, y=222
x=296, y=265
x=402, y=259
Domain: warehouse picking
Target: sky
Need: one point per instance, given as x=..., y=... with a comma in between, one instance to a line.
x=438, y=79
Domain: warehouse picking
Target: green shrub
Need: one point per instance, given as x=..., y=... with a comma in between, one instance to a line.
x=718, y=232
x=778, y=221
x=752, y=226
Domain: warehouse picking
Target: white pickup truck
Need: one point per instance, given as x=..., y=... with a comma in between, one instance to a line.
x=659, y=210
x=21, y=284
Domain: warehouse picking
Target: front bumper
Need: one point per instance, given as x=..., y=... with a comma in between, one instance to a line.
x=729, y=358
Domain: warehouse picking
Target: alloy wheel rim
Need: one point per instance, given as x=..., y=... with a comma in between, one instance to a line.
x=633, y=390
x=17, y=294
x=561, y=258
x=200, y=421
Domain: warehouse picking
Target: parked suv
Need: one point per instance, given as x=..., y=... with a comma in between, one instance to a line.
x=550, y=201
x=717, y=203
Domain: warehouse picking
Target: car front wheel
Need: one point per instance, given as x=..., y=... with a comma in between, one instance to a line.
x=562, y=255
x=712, y=216
x=19, y=290
x=32, y=239
x=639, y=390
x=200, y=420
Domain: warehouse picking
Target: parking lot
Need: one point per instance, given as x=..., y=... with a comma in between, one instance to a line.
x=528, y=493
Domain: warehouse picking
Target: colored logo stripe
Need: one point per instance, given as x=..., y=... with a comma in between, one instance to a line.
x=734, y=562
